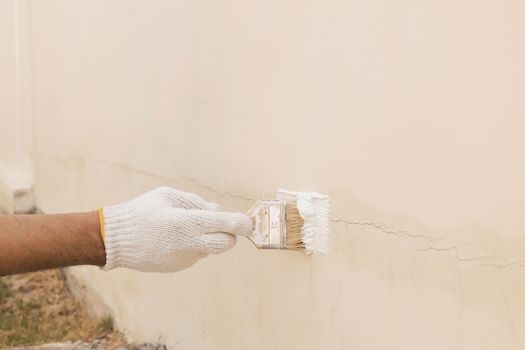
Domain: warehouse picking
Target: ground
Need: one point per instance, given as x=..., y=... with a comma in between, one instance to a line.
x=37, y=308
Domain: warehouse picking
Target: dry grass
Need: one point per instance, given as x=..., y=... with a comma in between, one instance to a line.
x=37, y=308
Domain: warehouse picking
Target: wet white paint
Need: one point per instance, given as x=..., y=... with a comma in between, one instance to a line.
x=314, y=209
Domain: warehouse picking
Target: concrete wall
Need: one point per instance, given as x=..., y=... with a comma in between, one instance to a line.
x=409, y=114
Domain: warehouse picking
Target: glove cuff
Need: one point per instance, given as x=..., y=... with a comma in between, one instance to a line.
x=117, y=224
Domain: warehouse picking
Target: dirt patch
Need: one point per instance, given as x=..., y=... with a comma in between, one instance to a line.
x=37, y=308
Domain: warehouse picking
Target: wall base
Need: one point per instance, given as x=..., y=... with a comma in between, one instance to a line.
x=94, y=304
x=16, y=195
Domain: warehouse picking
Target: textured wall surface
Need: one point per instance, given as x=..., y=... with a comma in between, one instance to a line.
x=409, y=114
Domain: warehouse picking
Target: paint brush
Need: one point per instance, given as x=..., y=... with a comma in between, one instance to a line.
x=294, y=220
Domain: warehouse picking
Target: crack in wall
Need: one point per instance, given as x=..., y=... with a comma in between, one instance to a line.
x=455, y=249
x=347, y=222
x=143, y=173
x=383, y=228
x=428, y=239
x=510, y=265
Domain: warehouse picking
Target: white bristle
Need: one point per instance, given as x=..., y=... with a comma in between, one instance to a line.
x=314, y=209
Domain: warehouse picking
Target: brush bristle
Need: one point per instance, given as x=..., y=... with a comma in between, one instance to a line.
x=294, y=227
x=307, y=221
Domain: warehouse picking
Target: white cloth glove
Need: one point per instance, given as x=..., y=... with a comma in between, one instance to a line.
x=166, y=230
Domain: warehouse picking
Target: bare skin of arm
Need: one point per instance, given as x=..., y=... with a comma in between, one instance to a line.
x=37, y=242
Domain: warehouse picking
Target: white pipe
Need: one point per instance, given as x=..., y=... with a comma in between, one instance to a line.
x=17, y=116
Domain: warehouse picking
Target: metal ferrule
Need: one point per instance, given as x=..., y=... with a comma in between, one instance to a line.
x=269, y=218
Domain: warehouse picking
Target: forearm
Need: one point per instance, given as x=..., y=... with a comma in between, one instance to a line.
x=163, y=230
x=36, y=242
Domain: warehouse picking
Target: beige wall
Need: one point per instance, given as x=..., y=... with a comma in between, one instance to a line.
x=410, y=115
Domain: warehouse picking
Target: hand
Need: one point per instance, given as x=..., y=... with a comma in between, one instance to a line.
x=166, y=230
